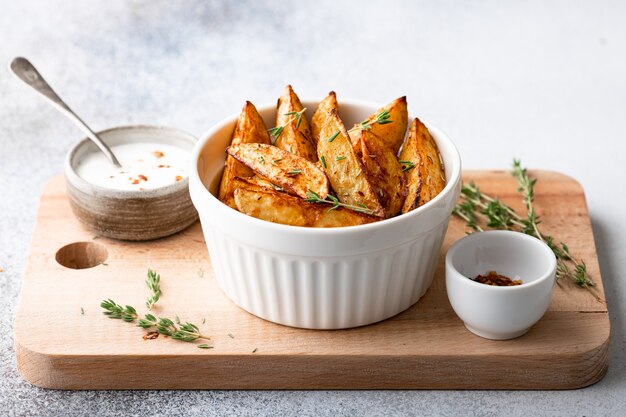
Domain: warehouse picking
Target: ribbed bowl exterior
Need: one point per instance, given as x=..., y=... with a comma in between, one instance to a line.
x=320, y=278
x=324, y=292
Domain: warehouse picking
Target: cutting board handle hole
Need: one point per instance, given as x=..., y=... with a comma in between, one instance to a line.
x=81, y=255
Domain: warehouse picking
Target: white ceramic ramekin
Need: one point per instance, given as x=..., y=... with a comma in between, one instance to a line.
x=500, y=312
x=320, y=278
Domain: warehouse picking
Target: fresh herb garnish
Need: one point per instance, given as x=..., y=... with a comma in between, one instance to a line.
x=276, y=131
x=295, y=172
x=262, y=158
x=276, y=161
x=295, y=115
x=204, y=346
x=154, y=284
x=340, y=158
x=323, y=161
x=116, y=311
x=406, y=165
x=185, y=332
x=313, y=197
x=381, y=118
x=82, y=311
x=332, y=138
x=276, y=187
x=254, y=350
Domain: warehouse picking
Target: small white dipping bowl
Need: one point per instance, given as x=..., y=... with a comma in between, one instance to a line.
x=493, y=312
x=320, y=278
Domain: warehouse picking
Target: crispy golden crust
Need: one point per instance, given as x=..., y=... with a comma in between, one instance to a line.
x=344, y=170
x=296, y=136
x=427, y=178
x=250, y=128
x=390, y=134
x=281, y=208
x=383, y=170
x=319, y=117
x=291, y=172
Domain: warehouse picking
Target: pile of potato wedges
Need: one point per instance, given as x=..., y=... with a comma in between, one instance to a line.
x=318, y=173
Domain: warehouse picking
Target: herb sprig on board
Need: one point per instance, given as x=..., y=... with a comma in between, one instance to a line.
x=154, y=285
x=477, y=208
x=176, y=329
x=185, y=332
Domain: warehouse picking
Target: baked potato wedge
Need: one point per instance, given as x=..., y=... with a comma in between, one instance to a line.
x=325, y=106
x=293, y=133
x=383, y=170
x=282, y=208
x=291, y=172
x=343, y=168
x=250, y=128
x=254, y=183
x=389, y=123
x=422, y=165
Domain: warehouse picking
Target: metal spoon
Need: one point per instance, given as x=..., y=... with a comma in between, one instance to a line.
x=29, y=74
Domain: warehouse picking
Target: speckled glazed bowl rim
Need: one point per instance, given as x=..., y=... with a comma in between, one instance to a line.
x=453, y=161
x=549, y=261
x=90, y=188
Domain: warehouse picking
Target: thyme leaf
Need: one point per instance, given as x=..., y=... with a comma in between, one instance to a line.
x=154, y=285
x=381, y=118
x=295, y=115
x=313, y=197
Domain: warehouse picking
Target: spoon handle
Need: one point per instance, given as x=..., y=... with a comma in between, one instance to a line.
x=29, y=74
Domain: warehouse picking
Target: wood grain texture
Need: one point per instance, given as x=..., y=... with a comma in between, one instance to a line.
x=426, y=346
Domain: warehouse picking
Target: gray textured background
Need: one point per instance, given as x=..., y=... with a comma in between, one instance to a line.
x=543, y=81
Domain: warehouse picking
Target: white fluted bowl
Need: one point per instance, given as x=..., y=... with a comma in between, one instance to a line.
x=320, y=278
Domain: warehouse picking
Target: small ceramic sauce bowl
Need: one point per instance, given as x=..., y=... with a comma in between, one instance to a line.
x=131, y=214
x=494, y=312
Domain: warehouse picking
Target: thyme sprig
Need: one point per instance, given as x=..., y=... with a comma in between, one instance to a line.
x=116, y=311
x=406, y=165
x=313, y=197
x=154, y=285
x=477, y=207
x=295, y=115
x=381, y=118
x=185, y=332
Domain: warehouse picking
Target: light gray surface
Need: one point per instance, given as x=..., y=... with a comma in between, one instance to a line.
x=543, y=82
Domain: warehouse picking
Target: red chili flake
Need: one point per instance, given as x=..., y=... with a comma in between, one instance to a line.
x=178, y=178
x=134, y=181
x=164, y=166
x=150, y=335
x=142, y=177
x=497, y=280
x=158, y=154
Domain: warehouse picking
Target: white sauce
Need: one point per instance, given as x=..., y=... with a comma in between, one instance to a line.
x=144, y=166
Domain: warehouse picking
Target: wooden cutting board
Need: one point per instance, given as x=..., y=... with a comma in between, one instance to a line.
x=64, y=341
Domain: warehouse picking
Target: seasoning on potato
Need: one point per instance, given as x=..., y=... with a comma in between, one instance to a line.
x=293, y=132
x=250, y=128
x=423, y=166
x=293, y=173
x=319, y=174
